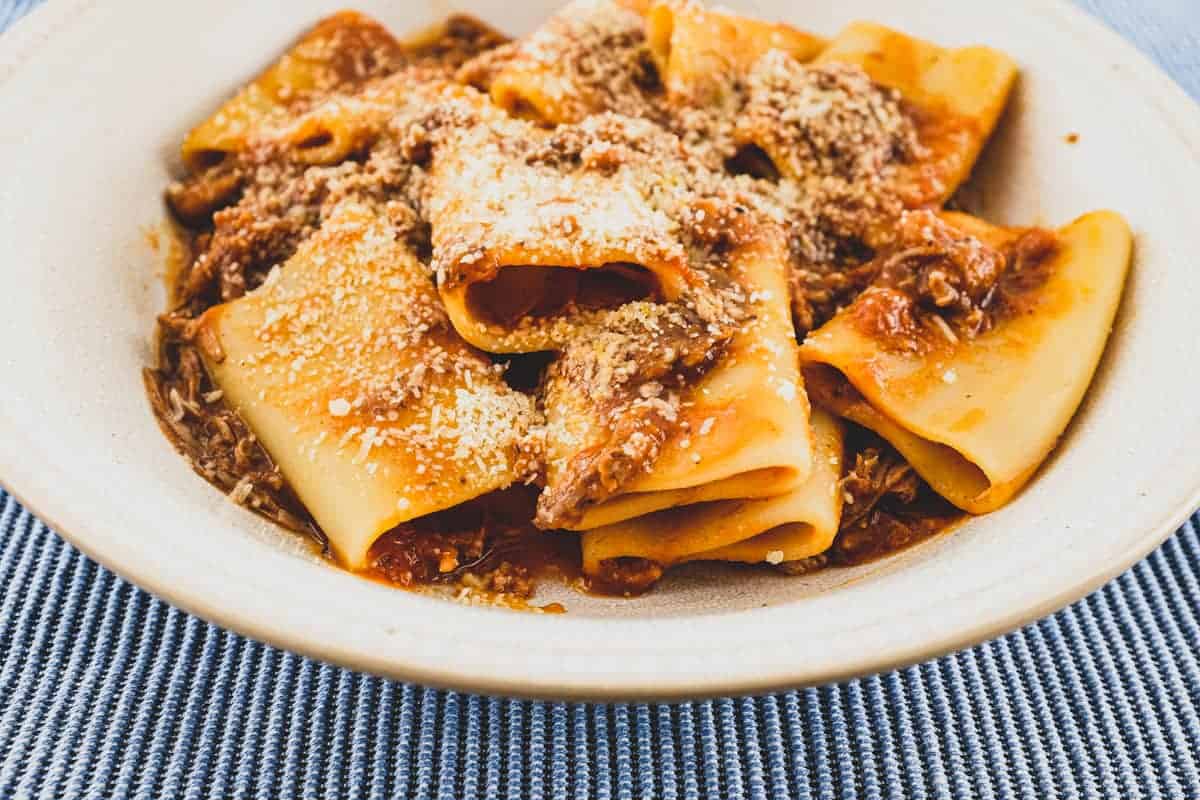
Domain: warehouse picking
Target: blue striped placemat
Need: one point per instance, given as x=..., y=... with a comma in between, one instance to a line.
x=106, y=692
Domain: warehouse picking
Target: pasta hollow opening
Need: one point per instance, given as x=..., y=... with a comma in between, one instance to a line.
x=994, y=401
x=948, y=471
x=519, y=292
x=473, y=311
x=752, y=160
x=315, y=140
x=205, y=159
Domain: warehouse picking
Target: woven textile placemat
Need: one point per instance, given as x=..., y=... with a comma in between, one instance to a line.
x=107, y=692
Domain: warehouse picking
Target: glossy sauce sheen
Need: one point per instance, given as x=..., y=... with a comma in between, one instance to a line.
x=491, y=538
x=490, y=545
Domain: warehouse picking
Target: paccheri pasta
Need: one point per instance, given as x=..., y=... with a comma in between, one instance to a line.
x=654, y=284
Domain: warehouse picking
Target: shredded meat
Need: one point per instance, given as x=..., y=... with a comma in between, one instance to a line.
x=215, y=440
x=275, y=205
x=487, y=544
x=935, y=279
x=281, y=204
x=632, y=368
x=937, y=267
x=425, y=552
x=942, y=269
x=362, y=52
x=625, y=577
x=1028, y=259
x=410, y=555
x=819, y=291
x=818, y=148
x=877, y=473
x=803, y=152
x=883, y=533
x=887, y=507
x=596, y=474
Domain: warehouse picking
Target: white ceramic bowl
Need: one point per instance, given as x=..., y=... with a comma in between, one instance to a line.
x=94, y=100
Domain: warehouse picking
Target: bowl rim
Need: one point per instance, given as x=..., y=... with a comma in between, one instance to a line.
x=29, y=481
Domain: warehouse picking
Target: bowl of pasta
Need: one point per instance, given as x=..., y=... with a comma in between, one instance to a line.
x=615, y=349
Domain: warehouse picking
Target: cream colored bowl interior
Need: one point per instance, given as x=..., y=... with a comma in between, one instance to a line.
x=94, y=100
